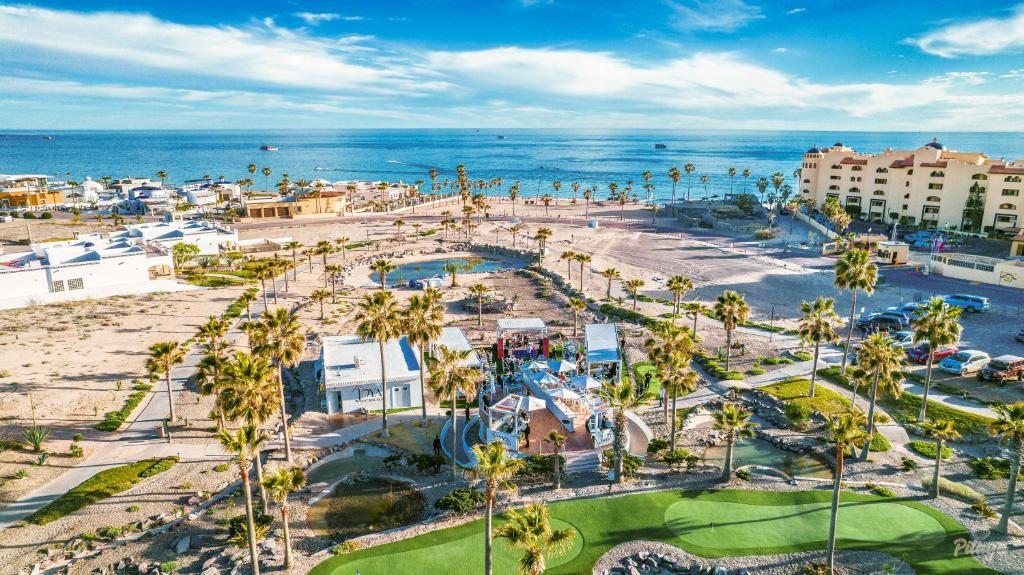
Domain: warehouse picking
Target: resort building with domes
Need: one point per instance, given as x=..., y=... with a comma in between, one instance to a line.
x=928, y=187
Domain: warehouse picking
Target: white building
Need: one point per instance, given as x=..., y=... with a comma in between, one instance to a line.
x=211, y=237
x=85, y=193
x=206, y=192
x=928, y=186
x=83, y=268
x=349, y=370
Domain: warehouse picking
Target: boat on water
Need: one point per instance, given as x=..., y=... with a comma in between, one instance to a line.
x=501, y=137
x=268, y=148
x=660, y=147
x=47, y=137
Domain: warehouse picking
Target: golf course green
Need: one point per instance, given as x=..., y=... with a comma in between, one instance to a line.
x=707, y=523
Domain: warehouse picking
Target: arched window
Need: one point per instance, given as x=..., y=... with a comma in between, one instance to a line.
x=836, y=167
x=854, y=190
x=857, y=168
x=807, y=181
x=933, y=199
x=1012, y=179
x=979, y=177
x=833, y=187
x=882, y=170
x=938, y=174
x=878, y=193
x=1007, y=207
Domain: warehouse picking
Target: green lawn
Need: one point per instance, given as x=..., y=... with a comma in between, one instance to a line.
x=745, y=523
x=795, y=390
x=642, y=369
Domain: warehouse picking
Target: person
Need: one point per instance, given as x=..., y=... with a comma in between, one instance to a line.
x=647, y=380
x=526, y=434
x=437, y=445
x=661, y=397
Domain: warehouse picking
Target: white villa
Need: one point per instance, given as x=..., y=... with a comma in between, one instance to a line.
x=83, y=268
x=211, y=237
x=349, y=371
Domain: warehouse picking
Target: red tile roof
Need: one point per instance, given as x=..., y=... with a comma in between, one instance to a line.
x=933, y=164
x=907, y=162
x=854, y=162
x=1004, y=169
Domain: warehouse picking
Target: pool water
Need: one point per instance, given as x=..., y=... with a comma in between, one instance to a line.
x=404, y=273
x=366, y=506
x=760, y=452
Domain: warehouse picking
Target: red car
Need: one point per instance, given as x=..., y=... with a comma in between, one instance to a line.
x=919, y=354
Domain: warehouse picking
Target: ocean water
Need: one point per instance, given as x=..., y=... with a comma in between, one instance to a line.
x=535, y=157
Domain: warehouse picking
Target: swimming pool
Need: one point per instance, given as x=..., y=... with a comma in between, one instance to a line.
x=404, y=273
x=760, y=452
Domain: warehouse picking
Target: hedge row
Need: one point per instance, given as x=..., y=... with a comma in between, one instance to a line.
x=112, y=420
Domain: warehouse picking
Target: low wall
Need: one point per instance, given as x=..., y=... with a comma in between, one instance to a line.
x=816, y=225
x=95, y=293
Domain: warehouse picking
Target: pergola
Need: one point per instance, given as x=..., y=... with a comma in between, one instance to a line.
x=534, y=325
x=602, y=341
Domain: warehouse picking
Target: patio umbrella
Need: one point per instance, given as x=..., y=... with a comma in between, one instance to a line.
x=563, y=366
x=536, y=365
x=531, y=403
x=565, y=393
x=544, y=378
x=584, y=382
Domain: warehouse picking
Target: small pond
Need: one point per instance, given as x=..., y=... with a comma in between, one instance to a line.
x=404, y=273
x=366, y=506
x=760, y=452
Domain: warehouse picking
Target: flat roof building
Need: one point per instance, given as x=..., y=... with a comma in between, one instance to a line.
x=350, y=367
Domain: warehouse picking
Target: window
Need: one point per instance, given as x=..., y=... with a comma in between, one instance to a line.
x=852, y=201
x=937, y=174
x=910, y=172
x=878, y=193
x=1009, y=192
x=1011, y=179
x=905, y=207
x=806, y=181
x=1007, y=207
x=57, y=285
x=881, y=180
x=979, y=177
x=934, y=210
x=807, y=191
x=76, y=283
x=834, y=177
x=878, y=203
x=854, y=190
x=933, y=199
x=934, y=186
x=882, y=171
x=836, y=167
x=831, y=196
x=833, y=187
x=906, y=196
x=858, y=168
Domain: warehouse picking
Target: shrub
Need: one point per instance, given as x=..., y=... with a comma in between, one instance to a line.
x=797, y=413
x=623, y=313
x=76, y=450
x=221, y=467
x=984, y=509
x=680, y=456
x=908, y=463
x=803, y=355
x=133, y=509
x=10, y=445
x=36, y=436
x=539, y=465
x=168, y=566
x=15, y=214
x=46, y=216
x=238, y=530
x=78, y=437
x=21, y=474
x=630, y=463
x=345, y=547
x=880, y=490
x=755, y=371
x=954, y=489
x=426, y=462
x=927, y=449
x=657, y=444
x=992, y=468
x=109, y=532
x=461, y=500
x=744, y=474
x=879, y=443
x=29, y=216
x=112, y=420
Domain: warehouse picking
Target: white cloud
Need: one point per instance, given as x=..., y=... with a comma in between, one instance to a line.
x=1017, y=73
x=795, y=11
x=780, y=50
x=713, y=15
x=977, y=38
x=530, y=3
x=968, y=78
x=314, y=18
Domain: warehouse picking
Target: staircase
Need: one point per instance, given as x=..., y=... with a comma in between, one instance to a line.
x=582, y=462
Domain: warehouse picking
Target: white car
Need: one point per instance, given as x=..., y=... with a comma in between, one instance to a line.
x=965, y=361
x=902, y=339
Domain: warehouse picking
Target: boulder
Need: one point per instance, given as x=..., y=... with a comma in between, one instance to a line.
x=719, y=570
x=182, y=545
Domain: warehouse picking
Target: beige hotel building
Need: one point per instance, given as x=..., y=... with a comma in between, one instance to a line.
x=928, y=186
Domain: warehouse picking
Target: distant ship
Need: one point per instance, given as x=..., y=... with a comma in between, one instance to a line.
x=501, y=137
x=268, y=148
x=660, y=147
x=47, y=137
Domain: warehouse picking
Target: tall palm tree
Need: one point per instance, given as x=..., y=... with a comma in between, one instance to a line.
x=675, y=175
x=1009, y=428
x=678, y=285
x=449, y=376
x=266, y=178
x=588, y=194
x=582, y=259
x=732, y=178
x=671, y=348
x=252, y=172
x=530, y=529
x=263, y=273
x=704, y=182
x=818, y=325
x=294, y=246
x=209, y=375
x=284, y=482
x=423, y=318
x=541, y=236
x=878, y=362
x=732, y=310
x=648, y=186
x=843, y=431
x=513, y=195
x=632, y=287
x=746, y=176
x=380, y=319
x=383, y=267
x=243, y=443
x=320, y=296
x=609, y=274
x=735, y=422
x=941, y=430
x=693, y=309
x=284, y=345
x=495, y=466
x=249, y=394
x=557, y=442
x=689, y=169
x=762, y=185
x=331, y=271
x=479, y=291
x=577, y=305
x=679, y=380
x=163, y=358
x=342, y=244
x=162, y=174
x=546, y=200
x=936, y=324
x=621, y=397
x=855, y=272
x=515, y=230
x=568, y=256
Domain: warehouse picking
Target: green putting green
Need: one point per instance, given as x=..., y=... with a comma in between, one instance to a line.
x=745, y=523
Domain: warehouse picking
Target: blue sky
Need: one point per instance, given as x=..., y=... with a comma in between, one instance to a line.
x=739, y=64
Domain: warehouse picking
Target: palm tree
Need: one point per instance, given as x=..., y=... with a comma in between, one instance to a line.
x=479, y=291
x=777, y=180
x=880, y=362
x=249, y=395
x=704, y=181
x=294, y=247
x=263, y=273
x=648, y=186
x=513, y=195
x=587, y=195
x=732, y=178
x=281, y=484
x=689, y=169
x=449, y=376
x=379, y=319
x=671, y=350
x=320, y=296
x=746, y=176
x=818, y=325
x=693, y=309
x=332, y=271
x=855, y=271
x=530, y=529
x=632, y=287
x=937, y=325
x=423, y=318
x=735, y=422
x=678, y=285
x=582, y=259
x=557, y=442
x=941, y=430
x=610, y=274
x=284, y=344
x=1009, y=427
x=843, y=431
x=383, y=267
x=621, y=397
x=568, y=256
x=163, y=358
x=452, y=269
x=675, y=175
x=541, y=236
x=576, y=305
x=546, y=200
x=266, y=181
x=679, y=380
x=243, y=444
x=496, y=467
x=162, y=174
x=515, y=230
x=342, y=244
x=732, y=310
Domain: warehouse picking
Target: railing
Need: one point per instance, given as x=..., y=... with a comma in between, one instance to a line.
x=553, y=407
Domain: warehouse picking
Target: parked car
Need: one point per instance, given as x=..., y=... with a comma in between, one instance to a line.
x=902, y=339
x=909, y=309
x=964, y=362
x=919, y=354
x=920, y=235
x=882, y=322
x=969, y=303
x=1002, y=369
